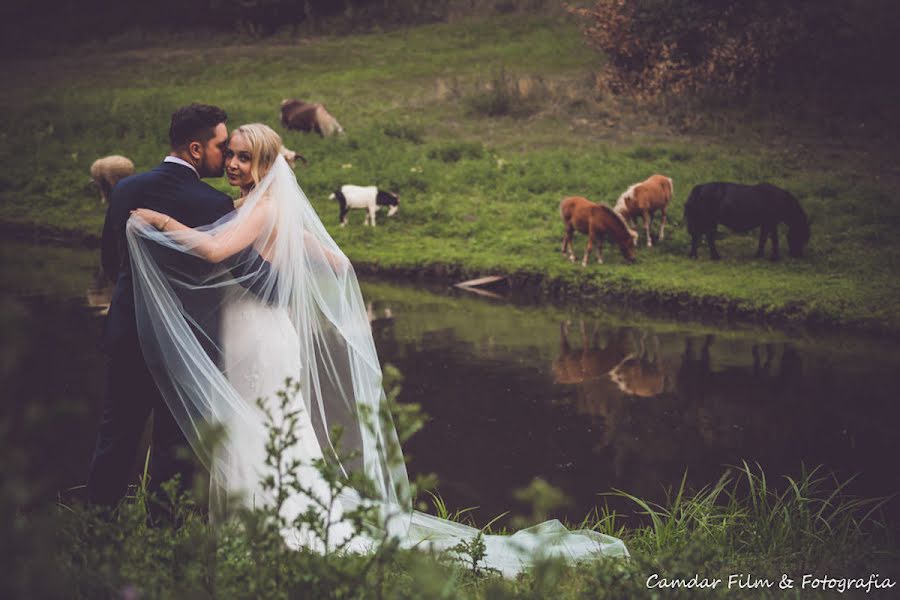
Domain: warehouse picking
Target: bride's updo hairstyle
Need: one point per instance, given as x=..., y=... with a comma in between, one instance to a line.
x=265, y=146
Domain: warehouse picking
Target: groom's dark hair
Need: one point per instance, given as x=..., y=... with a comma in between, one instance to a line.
x=194, y=122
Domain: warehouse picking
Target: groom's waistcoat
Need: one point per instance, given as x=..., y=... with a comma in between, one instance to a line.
x=170, y=188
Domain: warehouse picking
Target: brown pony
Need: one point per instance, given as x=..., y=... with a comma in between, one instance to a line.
x=645, y=198
x=594, y=220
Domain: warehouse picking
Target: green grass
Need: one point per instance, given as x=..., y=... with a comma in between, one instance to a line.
x=741, y=524
x=479, y=193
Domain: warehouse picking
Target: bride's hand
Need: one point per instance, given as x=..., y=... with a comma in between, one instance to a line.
x=339, y=264
x=155, y=219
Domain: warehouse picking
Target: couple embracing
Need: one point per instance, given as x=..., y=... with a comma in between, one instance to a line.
x=217, y=302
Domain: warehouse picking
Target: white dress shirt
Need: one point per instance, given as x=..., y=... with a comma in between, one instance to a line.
x=180, y=161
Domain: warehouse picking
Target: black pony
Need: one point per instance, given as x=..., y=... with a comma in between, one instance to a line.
x=742, y=208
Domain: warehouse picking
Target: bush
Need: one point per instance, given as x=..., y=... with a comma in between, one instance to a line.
x=659, y=47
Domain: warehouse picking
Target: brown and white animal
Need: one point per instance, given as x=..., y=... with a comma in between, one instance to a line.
x=641, y=373
x=596, y=221
x=591, y=361
x=309, y=116
x=291, y=157
x=587, y=369
x=643, y=199
x=108, y=171
x=370, y=198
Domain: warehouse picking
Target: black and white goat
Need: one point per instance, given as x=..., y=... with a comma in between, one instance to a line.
x=369, y=198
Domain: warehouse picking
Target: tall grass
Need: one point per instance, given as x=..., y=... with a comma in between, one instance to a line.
x=800, y=522
x=740, y=523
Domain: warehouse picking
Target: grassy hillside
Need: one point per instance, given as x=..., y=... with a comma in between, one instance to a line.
x=482, y=126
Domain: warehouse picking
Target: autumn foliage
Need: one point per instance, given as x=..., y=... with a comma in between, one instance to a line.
x=676, y=47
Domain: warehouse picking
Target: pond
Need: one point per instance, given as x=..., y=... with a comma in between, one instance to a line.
x=513, y=390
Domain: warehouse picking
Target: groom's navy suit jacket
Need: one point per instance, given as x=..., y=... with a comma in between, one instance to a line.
x=172, y=189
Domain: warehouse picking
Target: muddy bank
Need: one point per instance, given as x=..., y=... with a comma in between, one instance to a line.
x=536, y=286
x=708, y=309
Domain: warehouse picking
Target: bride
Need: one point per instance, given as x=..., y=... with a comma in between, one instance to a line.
x=289, y=306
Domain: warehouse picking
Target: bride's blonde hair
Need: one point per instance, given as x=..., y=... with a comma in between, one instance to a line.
x=265, y=145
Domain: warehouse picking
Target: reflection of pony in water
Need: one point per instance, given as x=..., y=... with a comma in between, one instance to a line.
x=379, y=322
x=735, y=403
x=387, y=313
x=641, y=373
x=587, y=369
x=590, y=361
x=696, y=369
x=98, y=294
x=595, y=221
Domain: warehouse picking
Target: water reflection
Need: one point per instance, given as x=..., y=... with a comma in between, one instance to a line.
x=52, y=383
x=634, y=407
x=735, y=403
x=642, y=373
x=594, y=359
x=98, y=294
x=513, y=391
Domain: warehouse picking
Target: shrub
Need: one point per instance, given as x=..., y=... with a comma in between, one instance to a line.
x=659, y=47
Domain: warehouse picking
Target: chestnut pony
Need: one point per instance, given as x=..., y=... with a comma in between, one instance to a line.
x=595, y=221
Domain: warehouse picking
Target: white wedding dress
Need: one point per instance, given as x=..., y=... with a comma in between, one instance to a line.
x=260, y=350
x=298, y=314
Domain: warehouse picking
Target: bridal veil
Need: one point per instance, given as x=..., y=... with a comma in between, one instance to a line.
x=297, y=295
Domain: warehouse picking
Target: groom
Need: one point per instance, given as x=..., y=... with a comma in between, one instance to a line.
x=197, y=136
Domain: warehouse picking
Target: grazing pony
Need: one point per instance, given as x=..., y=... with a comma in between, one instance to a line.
x=370, y=198
x=108, y=171
x=742, y=208
x=594, y=220
x=643, y=199
x=309, y=116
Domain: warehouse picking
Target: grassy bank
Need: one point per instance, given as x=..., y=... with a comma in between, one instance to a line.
x=480, y=170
